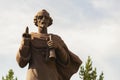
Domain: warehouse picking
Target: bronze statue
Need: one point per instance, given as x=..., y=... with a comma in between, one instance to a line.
x=47, y=54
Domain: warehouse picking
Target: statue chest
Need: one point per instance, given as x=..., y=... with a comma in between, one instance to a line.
x=39, y=42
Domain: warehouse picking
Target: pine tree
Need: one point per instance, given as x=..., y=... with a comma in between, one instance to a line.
x=9, y=76
x=101, y=76
x=88, y=73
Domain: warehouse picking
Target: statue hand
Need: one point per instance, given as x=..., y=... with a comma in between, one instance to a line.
x=51, y=44
x=26, y=37
x=26, y=34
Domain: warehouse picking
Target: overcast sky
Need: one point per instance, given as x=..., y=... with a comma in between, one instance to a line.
x=88, y=27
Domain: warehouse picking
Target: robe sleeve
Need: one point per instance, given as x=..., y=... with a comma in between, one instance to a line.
x=67, y=62
x=23, y=54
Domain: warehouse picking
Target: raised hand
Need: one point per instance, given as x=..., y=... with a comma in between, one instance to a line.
x=26, y=34
x=26, y=37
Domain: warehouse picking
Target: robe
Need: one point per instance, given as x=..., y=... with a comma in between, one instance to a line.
x=40, y=66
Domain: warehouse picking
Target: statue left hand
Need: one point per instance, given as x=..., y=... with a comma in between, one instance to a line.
x=51, y=44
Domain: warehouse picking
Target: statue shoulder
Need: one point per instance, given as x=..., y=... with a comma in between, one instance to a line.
x=58, y=39
x=55, y=36
x=33, y=33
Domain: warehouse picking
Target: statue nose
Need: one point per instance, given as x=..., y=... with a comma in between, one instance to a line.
x=42, y=22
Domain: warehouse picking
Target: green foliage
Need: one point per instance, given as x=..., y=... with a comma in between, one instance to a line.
x=101, y=76
x=88, y=73
x=9, y=76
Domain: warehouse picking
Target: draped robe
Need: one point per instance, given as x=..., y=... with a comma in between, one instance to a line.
x=40, y=66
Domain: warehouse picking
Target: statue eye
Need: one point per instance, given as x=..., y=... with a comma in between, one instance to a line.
x=40, y=17
x=46, y=17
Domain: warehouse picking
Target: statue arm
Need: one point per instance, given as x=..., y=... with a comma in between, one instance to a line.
x=23, y=54
x=62, y=51
x=63, y=55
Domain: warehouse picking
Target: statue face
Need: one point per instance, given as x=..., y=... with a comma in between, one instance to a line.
x=43, y=19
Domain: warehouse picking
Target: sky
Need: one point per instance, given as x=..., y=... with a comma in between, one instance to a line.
x=88, y=27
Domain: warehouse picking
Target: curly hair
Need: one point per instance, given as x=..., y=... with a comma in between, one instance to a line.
x=44, y=11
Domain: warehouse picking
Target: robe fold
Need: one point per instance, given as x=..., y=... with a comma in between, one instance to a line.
x=40, y=66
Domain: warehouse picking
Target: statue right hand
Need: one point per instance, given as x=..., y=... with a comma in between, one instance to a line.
x=26, y=34
x=26, y=37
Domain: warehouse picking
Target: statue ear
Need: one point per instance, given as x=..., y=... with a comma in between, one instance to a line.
x=35, y=20
x=50, y=21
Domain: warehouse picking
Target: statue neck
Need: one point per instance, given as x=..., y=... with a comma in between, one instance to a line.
x=42, y=30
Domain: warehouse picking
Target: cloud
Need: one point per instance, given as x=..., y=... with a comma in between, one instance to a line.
x=109, y=7
x=105, y=4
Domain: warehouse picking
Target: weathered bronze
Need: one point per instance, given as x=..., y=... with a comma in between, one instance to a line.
x=47, y=54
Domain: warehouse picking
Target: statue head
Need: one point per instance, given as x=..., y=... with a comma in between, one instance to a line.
x=42, y=18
